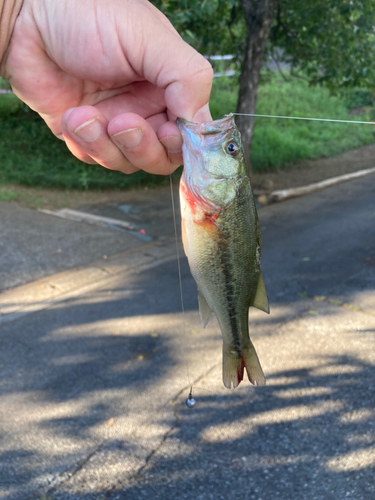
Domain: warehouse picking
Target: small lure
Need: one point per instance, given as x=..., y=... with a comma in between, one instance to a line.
x=190, y=402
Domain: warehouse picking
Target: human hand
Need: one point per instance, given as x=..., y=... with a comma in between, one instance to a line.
x=109, y=77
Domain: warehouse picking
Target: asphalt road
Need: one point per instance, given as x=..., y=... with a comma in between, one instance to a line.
x=33, y=245
x=93, y=387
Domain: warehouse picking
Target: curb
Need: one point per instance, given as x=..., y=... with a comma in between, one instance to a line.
x=286, y=194
x=45, y=292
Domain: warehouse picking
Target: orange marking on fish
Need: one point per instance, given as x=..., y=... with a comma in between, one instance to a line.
x=240, y=371
x=208, y=221
x=190, y=198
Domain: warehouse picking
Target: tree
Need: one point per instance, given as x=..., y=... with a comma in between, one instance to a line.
x=331, y=41
x=210, y=26
x=258, y=16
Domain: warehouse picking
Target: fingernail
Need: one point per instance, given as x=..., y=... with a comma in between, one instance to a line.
x=172, y=144
x=203, y=115
x=129, y=138
x=89, y=131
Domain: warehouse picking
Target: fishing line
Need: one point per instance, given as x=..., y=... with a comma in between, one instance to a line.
x=304, y=118
x=190, y=402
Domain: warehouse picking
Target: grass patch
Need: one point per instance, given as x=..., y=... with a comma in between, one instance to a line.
x=4, y=84
x=278, y=143
x=30, y=154
x=7, y=194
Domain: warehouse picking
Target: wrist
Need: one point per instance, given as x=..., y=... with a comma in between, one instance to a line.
x=9, y=10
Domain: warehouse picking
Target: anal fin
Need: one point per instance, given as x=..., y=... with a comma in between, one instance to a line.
x=261, y=299
x=204, y=309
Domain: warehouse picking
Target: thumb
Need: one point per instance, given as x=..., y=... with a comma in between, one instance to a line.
x=173, y=65
x=187, y=93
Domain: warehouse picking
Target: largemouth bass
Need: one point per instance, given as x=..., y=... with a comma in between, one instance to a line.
x=221, y=238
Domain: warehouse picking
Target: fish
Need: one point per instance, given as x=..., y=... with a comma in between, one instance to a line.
x=221, y=239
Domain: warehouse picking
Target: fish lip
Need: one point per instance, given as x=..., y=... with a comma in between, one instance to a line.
x=223, y=124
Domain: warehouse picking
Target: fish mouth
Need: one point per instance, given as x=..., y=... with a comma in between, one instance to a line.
x=213, y=127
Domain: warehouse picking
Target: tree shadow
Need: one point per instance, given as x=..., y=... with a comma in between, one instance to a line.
x=73, y=351
x=307, y=435
x=70, y=367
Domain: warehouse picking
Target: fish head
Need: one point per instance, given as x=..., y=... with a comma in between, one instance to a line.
x=214, y=159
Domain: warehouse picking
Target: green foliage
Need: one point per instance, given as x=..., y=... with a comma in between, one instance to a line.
x=224, y=96
x=210, y=26
x=358, y=97
x=278, y=143
x=332, y=41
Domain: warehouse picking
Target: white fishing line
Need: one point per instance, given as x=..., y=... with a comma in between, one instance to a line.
x=305, y=118
x=180, y=281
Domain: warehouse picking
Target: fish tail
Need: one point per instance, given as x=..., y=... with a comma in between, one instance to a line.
x=252, y=365
x=235, y=361
x=233, y=366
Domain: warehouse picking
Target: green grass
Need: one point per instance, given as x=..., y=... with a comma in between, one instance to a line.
x=7, y=194
x=31, y=155
x=277, y=142
x=4, y=84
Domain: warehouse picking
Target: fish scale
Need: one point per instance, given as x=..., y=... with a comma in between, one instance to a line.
x=221, y=238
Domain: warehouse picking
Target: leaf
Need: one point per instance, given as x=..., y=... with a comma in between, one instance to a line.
x=351, y=307
x=320, y=298
x=334, y=302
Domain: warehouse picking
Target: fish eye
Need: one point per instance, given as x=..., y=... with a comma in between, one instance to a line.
x=232, y=148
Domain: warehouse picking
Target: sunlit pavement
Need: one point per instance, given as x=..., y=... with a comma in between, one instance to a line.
x=94, y=383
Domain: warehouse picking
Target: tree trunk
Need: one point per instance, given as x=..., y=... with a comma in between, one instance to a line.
x=258, y=15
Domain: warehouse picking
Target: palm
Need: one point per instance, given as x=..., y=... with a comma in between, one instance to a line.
x=56, y=90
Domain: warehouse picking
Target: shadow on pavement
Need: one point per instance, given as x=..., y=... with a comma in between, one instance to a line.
x=116, y=354
x=304, y=436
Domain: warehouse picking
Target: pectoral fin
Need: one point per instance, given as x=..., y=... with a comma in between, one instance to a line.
x=204, y=309
x=261, y=299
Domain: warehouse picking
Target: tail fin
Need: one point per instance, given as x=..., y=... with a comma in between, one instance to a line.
x=252, y=365
x=234, y=363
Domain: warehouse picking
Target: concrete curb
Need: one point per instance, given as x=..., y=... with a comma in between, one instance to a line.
x=286, y=194
x=45, y=292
